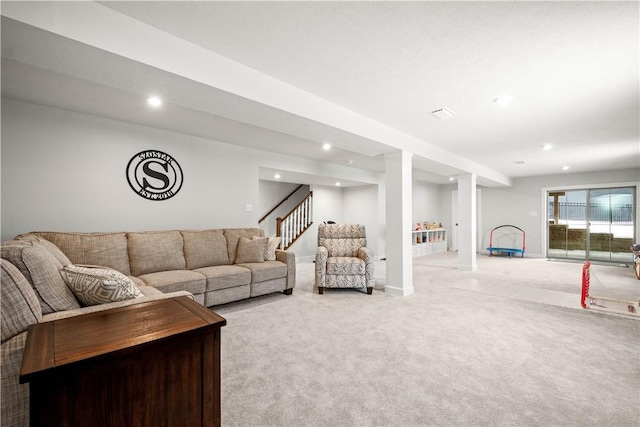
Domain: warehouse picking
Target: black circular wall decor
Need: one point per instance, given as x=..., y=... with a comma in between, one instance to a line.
x=154, y=175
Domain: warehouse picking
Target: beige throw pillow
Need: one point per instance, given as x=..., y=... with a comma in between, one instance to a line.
x=93, y=286
x=251, y=250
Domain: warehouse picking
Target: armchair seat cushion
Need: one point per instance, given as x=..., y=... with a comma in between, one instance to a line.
x=346, y=281
x=345, y=266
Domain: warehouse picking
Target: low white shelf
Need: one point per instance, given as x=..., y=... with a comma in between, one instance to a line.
x=427, y=242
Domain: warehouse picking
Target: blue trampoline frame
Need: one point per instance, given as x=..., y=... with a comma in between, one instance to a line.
x=509, y=251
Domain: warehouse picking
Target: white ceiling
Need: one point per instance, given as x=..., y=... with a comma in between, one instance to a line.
x=366, y=76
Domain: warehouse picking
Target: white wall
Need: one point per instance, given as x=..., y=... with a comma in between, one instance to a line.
x=523, y=203
x=270, y=193
x=67, y=171
x=355, y=205
x=426, y=203
x=359, y=207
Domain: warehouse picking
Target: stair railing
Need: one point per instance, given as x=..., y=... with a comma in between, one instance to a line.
x=296, y=222
x=280, y=204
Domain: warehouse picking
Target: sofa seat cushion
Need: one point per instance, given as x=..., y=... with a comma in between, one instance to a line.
x=42, y=271
x=225, y=276
x=156, y=251
x=138, y=282
x=345, y=266
x=107, y=249
x=205, y=248
x=176, y=280
x=268, y=270
x=148, y=290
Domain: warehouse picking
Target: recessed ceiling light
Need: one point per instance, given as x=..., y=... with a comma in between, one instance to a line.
x=566, y=168
x=276, y=176
x=349, y=162
x=326, y=146
x=154, y=101
x=338, y=184
x=452, y=178
x=503, y=101
x=547, y=147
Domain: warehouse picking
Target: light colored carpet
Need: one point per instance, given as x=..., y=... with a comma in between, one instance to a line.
x=446, y=355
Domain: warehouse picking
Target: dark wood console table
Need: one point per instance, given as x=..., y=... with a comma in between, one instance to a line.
x=150, y=364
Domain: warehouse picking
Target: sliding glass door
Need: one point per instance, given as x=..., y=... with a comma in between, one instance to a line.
x=568, y=224
x=596, y=224
x=611, y=224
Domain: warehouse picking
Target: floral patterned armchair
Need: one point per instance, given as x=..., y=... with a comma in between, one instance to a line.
x=343, y=259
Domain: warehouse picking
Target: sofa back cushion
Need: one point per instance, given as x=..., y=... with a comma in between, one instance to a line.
x=49, y=246
x=205, y=248
x=153, y=251
x=42, y=271
x=19, y=304
x=104, y=249
x=233, y=235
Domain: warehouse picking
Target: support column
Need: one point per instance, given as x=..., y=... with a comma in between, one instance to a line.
x=467, y=222
x=398, y=208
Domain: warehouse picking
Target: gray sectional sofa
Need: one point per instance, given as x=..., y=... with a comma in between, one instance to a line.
x=214, y=267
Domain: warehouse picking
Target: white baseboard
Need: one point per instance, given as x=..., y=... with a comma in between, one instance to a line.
x=399, y=292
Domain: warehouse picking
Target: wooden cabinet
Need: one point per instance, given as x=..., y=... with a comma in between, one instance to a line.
x=426, y=242
x=150, y=364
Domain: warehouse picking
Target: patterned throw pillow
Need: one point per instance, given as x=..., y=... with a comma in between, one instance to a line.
x=93, y=286
x=270, y=250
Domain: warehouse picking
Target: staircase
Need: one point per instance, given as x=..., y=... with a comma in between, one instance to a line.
x=292, y=225
x=296, y=222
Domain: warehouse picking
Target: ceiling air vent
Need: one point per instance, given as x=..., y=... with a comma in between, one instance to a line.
x=443, y=113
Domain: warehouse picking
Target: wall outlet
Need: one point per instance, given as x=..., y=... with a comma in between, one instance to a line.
x=248, y=208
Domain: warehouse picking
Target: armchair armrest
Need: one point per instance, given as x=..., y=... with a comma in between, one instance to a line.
x=366, y=255
x=321, y=265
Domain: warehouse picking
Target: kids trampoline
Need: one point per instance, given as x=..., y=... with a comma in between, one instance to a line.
x=511, y=236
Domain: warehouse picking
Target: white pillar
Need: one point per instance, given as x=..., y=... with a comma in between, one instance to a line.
x=381, y=250
x=399, y=280
x=467, y=222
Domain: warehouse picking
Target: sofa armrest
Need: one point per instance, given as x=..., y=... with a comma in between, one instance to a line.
x=94, y=308
x=322, y=254
x=366, y=255
x=289, y=258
